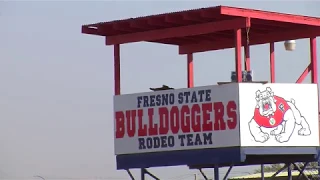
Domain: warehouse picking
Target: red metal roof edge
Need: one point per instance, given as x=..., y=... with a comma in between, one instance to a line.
x=271, y=16
x=307, y=18
x=273, y=12
x=156, y=15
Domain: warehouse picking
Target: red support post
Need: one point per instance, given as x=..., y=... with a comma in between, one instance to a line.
x=247, y=62
x=190, y=70
x=272, y=64
x=238, y=46
x=313, y=54
x=117, y=69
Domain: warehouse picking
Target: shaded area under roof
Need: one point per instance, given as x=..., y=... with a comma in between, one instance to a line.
x=264, y=27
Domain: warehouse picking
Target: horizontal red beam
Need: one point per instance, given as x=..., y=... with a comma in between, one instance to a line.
x=182, y=31
x=254, y=40
x=272, y=16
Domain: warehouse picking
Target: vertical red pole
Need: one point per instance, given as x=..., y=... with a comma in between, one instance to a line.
x=247, y=62
x=272, y=64
x=314, y=63
x=314, y=71
x=238, y=44
x=247, y=65
x=190, y=70
x=116, y=69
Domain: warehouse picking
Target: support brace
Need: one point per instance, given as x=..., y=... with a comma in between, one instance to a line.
x=130, y=174
x=216, y=173
x=144, y=172
x=279, y=171
x=227, y=173
x=204, y=176
x=301, y=170
x=304, y=74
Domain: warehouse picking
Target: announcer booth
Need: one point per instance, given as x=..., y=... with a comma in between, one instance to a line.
x=236, y=123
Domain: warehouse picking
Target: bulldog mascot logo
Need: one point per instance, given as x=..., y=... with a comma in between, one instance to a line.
x=276, y=115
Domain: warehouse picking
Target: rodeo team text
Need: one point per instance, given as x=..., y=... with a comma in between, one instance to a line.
x=192, y=122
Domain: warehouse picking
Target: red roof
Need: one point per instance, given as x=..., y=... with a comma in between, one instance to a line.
x=207, y=28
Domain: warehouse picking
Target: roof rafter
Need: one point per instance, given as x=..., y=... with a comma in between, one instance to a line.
x=175, y=32
x=261, y=39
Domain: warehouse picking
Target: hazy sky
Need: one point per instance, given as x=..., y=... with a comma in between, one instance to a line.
x=57, y=84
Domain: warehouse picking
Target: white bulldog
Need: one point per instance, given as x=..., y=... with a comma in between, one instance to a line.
x=278, y=115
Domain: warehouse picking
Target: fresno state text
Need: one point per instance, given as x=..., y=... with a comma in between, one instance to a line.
x=185, y=123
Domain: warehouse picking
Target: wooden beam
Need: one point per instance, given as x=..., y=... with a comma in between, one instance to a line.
x=182, y=31
x=254, y=40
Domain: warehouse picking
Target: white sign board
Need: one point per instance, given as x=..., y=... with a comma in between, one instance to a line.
x=182, y=119
x=245, y=114
x=279, y=115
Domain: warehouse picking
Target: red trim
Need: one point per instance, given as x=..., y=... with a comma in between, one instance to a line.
x=175, y=32
x=254, y=40
x=237, y=34
x=190, y=70
x=117, y=82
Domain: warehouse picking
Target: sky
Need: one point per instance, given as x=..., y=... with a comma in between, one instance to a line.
x=56, y=92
